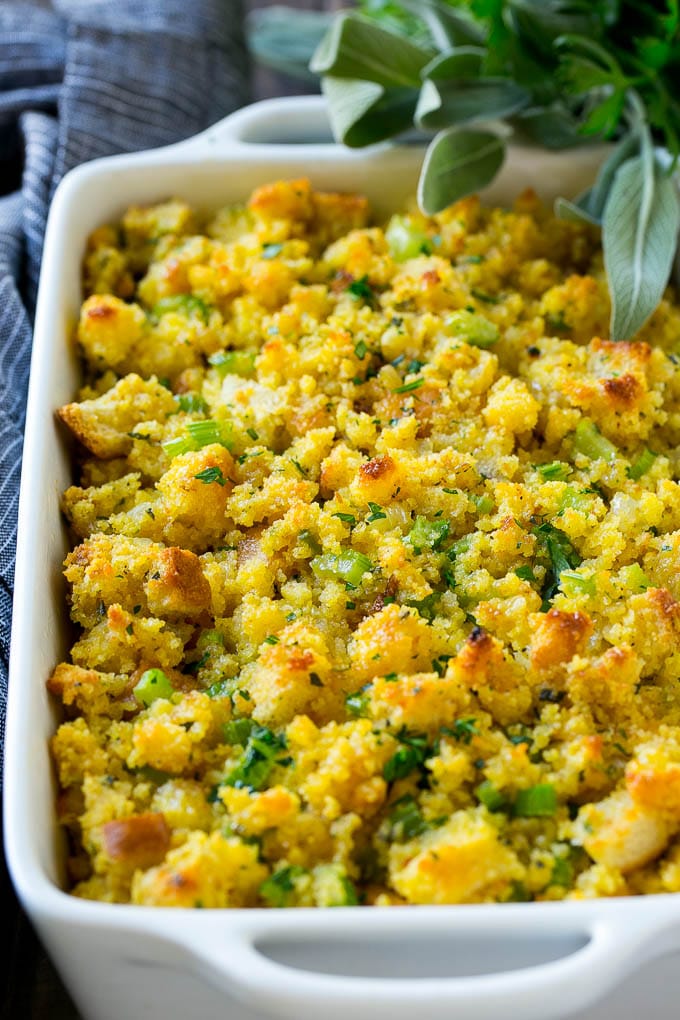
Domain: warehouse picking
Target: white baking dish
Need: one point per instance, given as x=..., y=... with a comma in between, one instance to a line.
x=525, y=961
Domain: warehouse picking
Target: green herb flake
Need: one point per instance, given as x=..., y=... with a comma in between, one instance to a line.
x=211, y=474
x=409, y=387
x=361, y=290
x=346, y=518
x=377, y=513
x=255, y=765
x=270, y=251
x=360, y=349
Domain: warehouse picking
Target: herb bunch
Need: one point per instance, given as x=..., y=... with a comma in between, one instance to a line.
x=471, y=74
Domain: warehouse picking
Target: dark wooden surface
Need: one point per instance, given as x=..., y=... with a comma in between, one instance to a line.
x=32, y=989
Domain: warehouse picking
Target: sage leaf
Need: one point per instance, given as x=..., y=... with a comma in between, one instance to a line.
x=360, y=50
x=639, y=238
x=447, y=27
x=362, y=112
x=286, y=44
x=553, y=127
x=462, y=100
x=458, y=163
x=463, y=62
x=567, y=210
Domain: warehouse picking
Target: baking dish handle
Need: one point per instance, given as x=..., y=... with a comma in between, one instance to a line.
x=287, y=121
x=597, y=958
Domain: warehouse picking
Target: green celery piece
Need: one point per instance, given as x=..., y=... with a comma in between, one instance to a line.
x=152, y=684
x=539, y=801
x=589, y=441
x=474, y=329
x=405, y=240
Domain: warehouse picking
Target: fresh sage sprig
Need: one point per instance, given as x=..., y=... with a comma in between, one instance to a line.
x=467, y=76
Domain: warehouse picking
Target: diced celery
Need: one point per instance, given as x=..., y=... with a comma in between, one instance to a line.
x=642, y=465
x=152, y=684
x=233, y=362
x=634, y=577
x=538, y=801
x=572, y=499
x=474, y=329
x=574, y=584
x=198, y=434
x=427, y=534
x=484, y=504
x=237, y=731
x=490, y=796
x=192, y=403
x=349, y=566
x=405, y=239
x=333, y=887
x=187, y=303
x=557, y=470
x=589, y=441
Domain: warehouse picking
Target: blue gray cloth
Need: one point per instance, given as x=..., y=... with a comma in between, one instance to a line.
x=81, y=79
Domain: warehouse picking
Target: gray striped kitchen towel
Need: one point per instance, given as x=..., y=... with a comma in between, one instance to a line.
x=81, y=79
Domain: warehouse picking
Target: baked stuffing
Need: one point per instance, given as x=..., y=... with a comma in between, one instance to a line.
x=375, y=565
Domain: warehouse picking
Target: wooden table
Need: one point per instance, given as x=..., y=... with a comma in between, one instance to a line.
x=32, y=989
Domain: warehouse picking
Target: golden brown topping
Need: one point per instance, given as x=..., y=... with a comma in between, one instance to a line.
x=141, y=840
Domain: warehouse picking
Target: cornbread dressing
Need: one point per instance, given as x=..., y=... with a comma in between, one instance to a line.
x=375, y=565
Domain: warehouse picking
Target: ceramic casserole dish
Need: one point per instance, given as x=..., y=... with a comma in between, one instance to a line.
x=530, y=961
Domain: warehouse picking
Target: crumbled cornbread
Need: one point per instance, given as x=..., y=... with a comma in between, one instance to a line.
x=376, y=563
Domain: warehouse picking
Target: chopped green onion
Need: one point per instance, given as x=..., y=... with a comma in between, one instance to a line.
x=635, y=578
x=642, y=465
x=253, y=434
x=474, y=329
x=252, y=771
x=192, y=402
x=270, y=251
x=211, y=474
x=557, y=470
x=573, y=584
x=490, y=796
x=272, y=639
x=589, y=441
x=187, y=303
x=360, y=349
x=350, y=566
x=409, y=387
x=277, y=890
x=233, y=363
x=152, y=684
x=427, y=534
x=538, y=801
x=405, y=240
